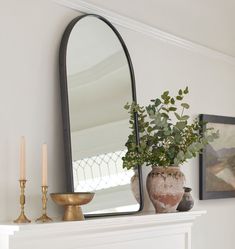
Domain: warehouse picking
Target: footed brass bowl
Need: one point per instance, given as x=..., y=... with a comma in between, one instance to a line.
x=71, y=203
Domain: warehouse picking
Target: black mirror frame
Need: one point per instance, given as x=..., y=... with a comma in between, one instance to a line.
x=65, y=108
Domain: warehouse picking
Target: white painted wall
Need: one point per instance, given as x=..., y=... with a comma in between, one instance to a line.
x=30, y=99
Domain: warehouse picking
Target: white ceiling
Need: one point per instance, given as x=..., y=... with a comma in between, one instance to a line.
x=206, y=22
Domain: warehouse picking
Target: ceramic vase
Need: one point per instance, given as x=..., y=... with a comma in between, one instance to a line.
x=135, y=188
x=165, y=188
x=187, y=201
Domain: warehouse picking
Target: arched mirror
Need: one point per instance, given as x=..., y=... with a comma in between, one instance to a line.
x=97, y=80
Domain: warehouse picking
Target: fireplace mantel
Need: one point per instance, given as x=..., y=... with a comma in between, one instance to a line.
x=162, y=231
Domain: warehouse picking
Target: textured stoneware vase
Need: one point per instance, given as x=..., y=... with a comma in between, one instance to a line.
x=165, y=188
x=135, y=186
x=187, y=201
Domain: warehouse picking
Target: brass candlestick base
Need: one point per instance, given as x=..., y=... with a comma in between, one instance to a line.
x=44, y=217
x=22, y=218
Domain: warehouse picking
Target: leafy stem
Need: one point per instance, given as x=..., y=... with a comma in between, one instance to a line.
x=162, y=141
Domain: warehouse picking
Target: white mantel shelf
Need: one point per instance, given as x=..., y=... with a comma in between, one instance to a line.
x=162, y=231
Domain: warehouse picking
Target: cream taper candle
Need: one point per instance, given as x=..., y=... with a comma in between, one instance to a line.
x=22, y=159
x=44, y=165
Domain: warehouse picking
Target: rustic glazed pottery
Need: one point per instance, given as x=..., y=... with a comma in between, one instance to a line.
x=135, y=188
x=187, y=201
x=165, y=188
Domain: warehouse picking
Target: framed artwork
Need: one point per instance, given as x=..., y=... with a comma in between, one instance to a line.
x=217, y=160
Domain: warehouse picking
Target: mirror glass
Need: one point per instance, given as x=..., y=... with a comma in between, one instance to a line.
x=99, y=84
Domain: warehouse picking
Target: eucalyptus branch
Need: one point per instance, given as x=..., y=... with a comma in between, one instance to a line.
x=163, y=142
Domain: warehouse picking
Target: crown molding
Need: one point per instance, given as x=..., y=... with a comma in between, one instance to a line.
x=145, y=29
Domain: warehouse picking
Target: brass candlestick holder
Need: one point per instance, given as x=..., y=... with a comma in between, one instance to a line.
x=22, y=218
x=44, y=217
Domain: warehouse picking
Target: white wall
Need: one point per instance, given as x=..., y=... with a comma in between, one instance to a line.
x=30, y=99
x=160, y=66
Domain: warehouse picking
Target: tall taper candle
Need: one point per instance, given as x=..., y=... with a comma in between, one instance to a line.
x=22, y=159
x=44, y=165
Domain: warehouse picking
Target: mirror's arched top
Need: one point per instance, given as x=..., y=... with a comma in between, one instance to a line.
x=101, y=35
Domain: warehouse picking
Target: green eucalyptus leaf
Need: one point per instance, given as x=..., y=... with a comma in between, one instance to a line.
x=127, y=106
x=165, y=109
x=180, y=155
x=165, y=115
x=172, y=101
x=185, y=117
x=181, y=125
x=186, y=90
x=176, y=161
x=178, y=138
x=179, y=97
x=164, y=96
x=167, y=133
x=185, y=105
x=143, y=144
x=150, y=112
x=172, y=109
x=188, y=155
x=166, y=93
x=192, y=148
x=157, y=102
x=177, y=116
x=166, y=101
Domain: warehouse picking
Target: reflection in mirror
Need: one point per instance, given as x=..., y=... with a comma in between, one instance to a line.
x=99, y=84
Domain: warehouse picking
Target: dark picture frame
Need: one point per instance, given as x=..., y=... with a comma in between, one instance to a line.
x=217, y=160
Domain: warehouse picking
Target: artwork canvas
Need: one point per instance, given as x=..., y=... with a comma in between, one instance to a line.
x=217, y=161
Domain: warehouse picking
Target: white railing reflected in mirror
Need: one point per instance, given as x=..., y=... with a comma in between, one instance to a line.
x=104, y=174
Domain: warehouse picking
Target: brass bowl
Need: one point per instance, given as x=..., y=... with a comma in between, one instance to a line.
x=71, y=203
